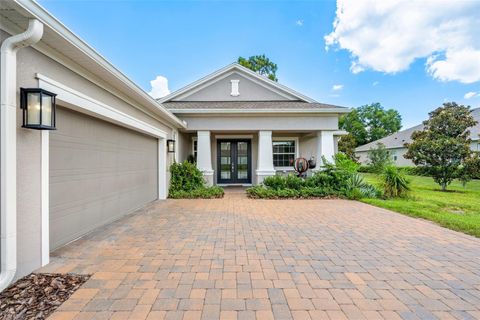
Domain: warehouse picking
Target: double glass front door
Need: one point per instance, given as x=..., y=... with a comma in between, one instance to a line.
x=234, y=161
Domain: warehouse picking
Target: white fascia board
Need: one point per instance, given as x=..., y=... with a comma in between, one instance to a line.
x=37, y=11
x=85, y=104
x=232, y=67
x=256, y=111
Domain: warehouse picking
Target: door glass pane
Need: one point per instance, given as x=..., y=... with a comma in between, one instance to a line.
x=225, y=160
x=242, y=160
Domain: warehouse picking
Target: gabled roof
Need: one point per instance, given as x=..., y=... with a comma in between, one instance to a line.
x=398, y=139
x=252, y=106
x=236, y=67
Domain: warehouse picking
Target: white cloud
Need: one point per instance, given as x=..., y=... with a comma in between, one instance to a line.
x=337, y=87
x=375, y=83
x=299, y=23
x=470, y=95
x=388, y=36
x=159, y=87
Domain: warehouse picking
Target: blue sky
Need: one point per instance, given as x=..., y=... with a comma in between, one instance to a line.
x=184, y=41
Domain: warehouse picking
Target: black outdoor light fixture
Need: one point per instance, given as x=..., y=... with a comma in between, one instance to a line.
x=171, y=146
x=38, y=107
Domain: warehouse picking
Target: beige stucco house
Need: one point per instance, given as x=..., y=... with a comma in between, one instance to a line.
x=242, y=126
x=108, y=153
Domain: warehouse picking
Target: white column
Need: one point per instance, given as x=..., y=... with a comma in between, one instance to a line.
x=265, y=156
x=325, y=147
x=162, y=168
x=204, y=155
x=45, y=176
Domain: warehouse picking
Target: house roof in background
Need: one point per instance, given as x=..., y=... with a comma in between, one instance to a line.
x=251, y=106
x=398, y=139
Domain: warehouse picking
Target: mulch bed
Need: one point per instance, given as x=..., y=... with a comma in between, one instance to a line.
x=38, y=295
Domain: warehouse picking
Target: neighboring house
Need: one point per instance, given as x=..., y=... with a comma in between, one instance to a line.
x=108, y=155
x=395, y=143
x=242, y=127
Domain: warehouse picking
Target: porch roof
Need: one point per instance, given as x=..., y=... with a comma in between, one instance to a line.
x=252, y=106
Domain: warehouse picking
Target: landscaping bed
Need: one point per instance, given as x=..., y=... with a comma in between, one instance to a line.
x=187, y=182
x=338, y=180
x=37, y=295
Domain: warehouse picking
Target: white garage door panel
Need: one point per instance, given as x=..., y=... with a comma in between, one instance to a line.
x=98, y=173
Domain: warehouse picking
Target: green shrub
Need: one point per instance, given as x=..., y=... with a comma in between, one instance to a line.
x=343, y=162
x=187, y=182
x=357, y=188
x=394, y=182
x=203, y=193
x=379, y=157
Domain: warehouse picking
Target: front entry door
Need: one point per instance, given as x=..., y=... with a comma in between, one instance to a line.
x=234, y=161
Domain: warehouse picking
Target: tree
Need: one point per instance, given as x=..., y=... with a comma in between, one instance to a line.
x=443, y=146
x=379, y=158
x=347, y=145
x=371, y=122
x=260, y=64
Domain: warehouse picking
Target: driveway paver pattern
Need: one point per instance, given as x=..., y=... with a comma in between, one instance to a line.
x=237, y=258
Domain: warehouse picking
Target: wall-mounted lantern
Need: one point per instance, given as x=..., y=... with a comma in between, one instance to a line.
x=38, y=107
x=171, y=146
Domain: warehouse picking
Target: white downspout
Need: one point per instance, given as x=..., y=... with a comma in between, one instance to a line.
x=8, y=147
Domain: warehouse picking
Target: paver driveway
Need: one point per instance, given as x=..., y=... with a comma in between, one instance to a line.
x=247, y=259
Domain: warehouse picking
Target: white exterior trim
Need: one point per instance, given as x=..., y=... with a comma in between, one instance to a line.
x=276, y=111
x=230, y=68
x=162, y=169
x=85, y=104
x=45, y=196
x=234, y=136
x=297, y=150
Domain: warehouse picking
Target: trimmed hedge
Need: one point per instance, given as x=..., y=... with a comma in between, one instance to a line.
x=187, y=182
x=412, y=171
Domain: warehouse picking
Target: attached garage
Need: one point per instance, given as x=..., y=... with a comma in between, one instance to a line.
x=98, y=172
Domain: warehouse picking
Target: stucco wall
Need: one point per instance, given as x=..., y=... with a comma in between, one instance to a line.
x=275, y=122
x=398, y=152
x=221, y=89
x=30, y=62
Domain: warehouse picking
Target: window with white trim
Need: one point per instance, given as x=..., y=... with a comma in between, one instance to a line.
x=284, y=152
x=194, y=148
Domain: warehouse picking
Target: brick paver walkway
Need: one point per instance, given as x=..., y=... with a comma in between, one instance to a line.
x=237, y=258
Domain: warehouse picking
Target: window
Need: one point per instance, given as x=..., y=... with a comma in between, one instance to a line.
x=284, y=153
x=194, y=149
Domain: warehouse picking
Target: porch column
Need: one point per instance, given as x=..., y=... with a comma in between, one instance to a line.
x=325, y=147
x=204, y=155
x=265, y=156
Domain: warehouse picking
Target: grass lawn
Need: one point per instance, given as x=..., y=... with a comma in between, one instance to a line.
x=457, y=209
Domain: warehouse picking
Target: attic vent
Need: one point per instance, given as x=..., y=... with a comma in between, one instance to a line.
x=234, y=92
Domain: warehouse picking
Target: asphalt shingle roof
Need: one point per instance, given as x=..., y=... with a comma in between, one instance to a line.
x=245, y=105
x=398, y=139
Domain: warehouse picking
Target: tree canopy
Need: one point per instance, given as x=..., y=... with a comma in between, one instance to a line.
x=260, y=64
x=371, y=122
x=443, y=146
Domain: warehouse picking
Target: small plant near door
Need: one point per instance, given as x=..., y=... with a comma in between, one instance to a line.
x=187, y=183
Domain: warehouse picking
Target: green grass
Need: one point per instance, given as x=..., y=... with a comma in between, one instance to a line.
x=457, y=209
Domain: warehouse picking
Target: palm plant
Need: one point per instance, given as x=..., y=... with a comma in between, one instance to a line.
x=395, y=183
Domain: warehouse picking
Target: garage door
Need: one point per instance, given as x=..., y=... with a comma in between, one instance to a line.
x=98, y=173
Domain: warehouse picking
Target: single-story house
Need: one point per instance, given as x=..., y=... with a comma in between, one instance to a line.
x=242, y=127
x=103, y=146
x=395, y=143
